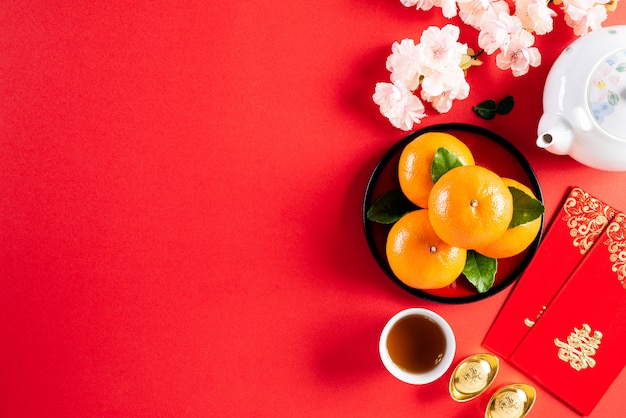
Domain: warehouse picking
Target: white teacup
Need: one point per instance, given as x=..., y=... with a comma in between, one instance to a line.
x=417, y=346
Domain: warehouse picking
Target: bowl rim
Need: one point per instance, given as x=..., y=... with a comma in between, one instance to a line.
x=382, y=164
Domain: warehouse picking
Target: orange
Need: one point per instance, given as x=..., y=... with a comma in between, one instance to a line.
x=470, y=207
x=516, y=239
x=416, y=159
x=418, y=257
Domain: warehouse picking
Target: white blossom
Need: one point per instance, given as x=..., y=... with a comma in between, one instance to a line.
x=440, y=57
x=584, y=15
x=419, y=4
x=439, y=82
x=448, y=7
x=519, y=54
x=442, y=103
x=535, y=15
x=471, y=11
x=399, y=105
x=438, y=49
x=403, y=63
x=496, y=30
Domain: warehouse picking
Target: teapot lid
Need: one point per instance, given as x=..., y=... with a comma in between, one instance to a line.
x=606, y=93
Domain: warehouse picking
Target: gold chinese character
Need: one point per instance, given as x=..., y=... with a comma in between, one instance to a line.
x=580, y=347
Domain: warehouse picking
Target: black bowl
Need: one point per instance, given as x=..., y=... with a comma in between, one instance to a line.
x=489, y=150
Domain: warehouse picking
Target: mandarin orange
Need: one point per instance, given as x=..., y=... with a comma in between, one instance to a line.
x=470, y=207
x=418, y=257
x=416, y=160
x=516, y=239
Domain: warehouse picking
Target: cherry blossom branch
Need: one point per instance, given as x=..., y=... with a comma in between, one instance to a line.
x=437, y=65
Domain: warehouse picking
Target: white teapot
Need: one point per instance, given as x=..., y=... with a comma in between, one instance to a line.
x=584, y=101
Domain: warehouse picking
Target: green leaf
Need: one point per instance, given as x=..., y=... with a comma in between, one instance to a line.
x=621, y=67
x=525, y=207
x=480, y=270
x=505, y=106
x=489, y=108
x=486, y=109
x=389, y=207
x=613, y=98
x=443, y=161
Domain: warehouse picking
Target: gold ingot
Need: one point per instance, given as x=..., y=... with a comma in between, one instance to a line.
x=512, y=401
x=472, y=376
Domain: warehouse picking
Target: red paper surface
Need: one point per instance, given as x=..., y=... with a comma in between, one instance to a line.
x=180, y=208
x=576, y=348
x=577, y=226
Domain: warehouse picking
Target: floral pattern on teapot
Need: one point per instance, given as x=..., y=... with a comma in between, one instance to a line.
x=606, y=94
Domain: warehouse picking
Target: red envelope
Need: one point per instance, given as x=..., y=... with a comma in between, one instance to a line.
x=576, y=349
x=580, y=221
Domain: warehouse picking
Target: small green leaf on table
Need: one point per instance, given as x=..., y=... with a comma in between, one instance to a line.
x=489, y=108
x=486, y=109
x=505, y=105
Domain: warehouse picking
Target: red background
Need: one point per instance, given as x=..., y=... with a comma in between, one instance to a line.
x=180, y=230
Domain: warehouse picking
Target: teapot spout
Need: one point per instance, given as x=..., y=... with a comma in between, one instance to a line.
x=555, y=134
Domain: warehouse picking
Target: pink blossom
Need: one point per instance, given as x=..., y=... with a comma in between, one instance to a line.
x=399, y=105
x=403, y=63
x=535, y=15
x=496, y=30
x=419, y=4
x=442, y=103
x=438, y=49
x=438, y=82
x=584, y=15
x=448, y=7
x=519, y=54
x=439, y=56
x=471, y=11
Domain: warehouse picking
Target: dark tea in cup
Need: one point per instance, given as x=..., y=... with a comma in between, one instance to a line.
x=416, y=343
x=417, y=346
